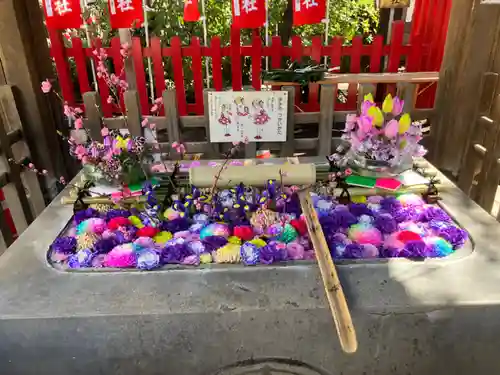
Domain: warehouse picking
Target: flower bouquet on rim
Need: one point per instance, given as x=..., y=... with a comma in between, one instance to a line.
x=382, y=140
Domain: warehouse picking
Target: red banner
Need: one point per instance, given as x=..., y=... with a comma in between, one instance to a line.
x=306, y=12
x=63, y=14
x=125, y=14
x=249, y=14
x=191, y=12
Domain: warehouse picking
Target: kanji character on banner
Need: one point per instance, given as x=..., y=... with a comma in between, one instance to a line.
x=191, y=12
x=306, y=12
x=125, y=14
x=62, y=14
x=249, y=14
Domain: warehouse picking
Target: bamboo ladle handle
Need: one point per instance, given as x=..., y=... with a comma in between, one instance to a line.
x=333, y=289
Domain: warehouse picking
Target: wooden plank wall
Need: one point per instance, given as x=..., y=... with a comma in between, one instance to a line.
x=176, y=126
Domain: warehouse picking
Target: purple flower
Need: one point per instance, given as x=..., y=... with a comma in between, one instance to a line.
x=392, y=252
x=64, y=245
x=273, y=252
x=81, y=259
x=406, y=214
x=435, y=213
x=416, y=249
x=105, y=245
x=353, y=251
x=390, y=204
x=342, y=218
x=173, y=252
x=176, y=225
x=148, y=259
x=84, y=215
x=386, y=223
x=454, y=235
x=117, y=213
x=358, y=209
x=212, y=243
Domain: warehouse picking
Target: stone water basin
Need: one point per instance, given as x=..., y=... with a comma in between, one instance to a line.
x=412, y=317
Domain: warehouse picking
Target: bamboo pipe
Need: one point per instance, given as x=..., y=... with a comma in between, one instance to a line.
x=333, y=287
x=354, y=192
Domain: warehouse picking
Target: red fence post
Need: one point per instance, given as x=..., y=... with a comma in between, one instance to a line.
x=62, y=66
x=159, y=73
x=216, y=63
x=256, y=62
x=107, y=108
x=117, y=59
x=236, y=59
x=140, y=75
x=197, y=75
x=81, y=65
x=175, y=45
x=355, y=67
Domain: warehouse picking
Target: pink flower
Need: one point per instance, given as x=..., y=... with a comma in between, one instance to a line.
x=154, y=108
x=46, y=86
x=31, y=166
x=105, y=132
x=78, y=123
x=350, y=122
x=391, y=129
x=236, y=143
x=158, y=168
x=110, y=99
x=179, y=147
x=159, y=100
x=80, y=151
x=397, y=106
x=365, y=123
x=348, y=172
x=152, y=126
x=78, y=111
x=144, y=122
x=67, y=110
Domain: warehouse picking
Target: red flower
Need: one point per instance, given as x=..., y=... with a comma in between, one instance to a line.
x=244, y=232
x=118, y=222
x=405, y=236
x=147, y=232
x=299, y=225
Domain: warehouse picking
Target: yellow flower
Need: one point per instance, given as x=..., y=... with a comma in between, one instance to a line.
x=369, y=98
x=258, y=242
x=358, y=199
x=234, y=240
x=162, y=237
x=404, y=123
x=205, y=258
x=377, y=115
x=121, y=142
x=387, y=104
x=136, y=222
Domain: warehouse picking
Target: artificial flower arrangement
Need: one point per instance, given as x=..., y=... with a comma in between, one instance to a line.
x=382, y=137
x=251, y=226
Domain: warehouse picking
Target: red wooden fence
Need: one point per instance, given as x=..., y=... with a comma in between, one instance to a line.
x=398, y=55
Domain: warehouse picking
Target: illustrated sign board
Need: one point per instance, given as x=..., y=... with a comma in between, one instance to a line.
x=253, y=116
x=394, y=3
